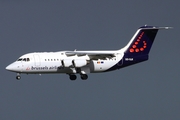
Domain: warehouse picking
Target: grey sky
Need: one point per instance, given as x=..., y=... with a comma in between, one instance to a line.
x=148, y=90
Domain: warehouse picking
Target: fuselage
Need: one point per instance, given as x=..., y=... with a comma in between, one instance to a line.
x=55, y=62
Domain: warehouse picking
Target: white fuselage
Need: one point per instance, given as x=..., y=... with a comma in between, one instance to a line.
x=59, y=62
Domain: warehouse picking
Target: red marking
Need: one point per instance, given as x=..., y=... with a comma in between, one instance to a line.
x=136, y=43
x=131, y=50
x=134, y=46
x=141, y=49
x=27, y=68
x=137, y=50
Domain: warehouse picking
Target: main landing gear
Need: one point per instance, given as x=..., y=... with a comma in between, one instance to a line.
x=74, y=77
x=84, y=76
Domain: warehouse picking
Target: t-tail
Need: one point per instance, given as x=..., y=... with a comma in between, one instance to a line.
x=137, y=50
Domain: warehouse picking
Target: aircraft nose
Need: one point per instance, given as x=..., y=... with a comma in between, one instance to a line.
x=9, y=67
x=13, y=67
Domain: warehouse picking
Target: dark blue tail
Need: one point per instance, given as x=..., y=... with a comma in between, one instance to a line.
x=138, y=48
x=142, y=41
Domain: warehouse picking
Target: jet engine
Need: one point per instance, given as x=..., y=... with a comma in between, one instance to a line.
x=79, y=63
x=66, y=62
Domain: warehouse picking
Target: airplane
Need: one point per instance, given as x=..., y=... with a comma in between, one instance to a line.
x=85, y=62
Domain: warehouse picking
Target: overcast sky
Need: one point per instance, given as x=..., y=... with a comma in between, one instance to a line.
x=145, y=91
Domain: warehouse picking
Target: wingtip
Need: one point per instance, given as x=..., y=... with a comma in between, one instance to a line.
x=168, y=27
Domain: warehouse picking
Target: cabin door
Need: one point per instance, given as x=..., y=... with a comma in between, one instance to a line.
x=37, y=61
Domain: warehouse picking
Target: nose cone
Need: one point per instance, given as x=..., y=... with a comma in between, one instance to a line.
x=13, y=67
x=9, y=67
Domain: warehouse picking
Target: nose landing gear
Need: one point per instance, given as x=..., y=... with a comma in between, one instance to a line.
x=18, y=77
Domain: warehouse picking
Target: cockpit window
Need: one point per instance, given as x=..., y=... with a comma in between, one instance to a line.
x=20, y=59
x=24, y=59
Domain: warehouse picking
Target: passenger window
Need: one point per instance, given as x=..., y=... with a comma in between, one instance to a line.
x=24, y=59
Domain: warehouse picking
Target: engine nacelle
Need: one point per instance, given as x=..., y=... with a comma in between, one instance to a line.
x=66, y=62
x=79, y=62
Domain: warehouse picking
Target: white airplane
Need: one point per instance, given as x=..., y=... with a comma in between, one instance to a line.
x=85, y=62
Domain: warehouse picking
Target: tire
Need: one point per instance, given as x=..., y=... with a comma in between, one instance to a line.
x=18, y=77
x=84, y=76
x=72, y=77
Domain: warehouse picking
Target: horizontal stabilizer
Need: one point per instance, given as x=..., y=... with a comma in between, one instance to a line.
x=154, y=27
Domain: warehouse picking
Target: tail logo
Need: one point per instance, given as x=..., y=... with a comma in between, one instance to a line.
x=134, y=47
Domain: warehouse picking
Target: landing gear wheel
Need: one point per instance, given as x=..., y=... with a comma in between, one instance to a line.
x=84, y=76
x=18, y=77
x=72, y=77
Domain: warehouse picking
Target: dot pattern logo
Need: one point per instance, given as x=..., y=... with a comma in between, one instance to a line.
x=135, y=48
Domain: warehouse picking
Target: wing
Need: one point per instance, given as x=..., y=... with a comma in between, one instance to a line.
x=92, y=54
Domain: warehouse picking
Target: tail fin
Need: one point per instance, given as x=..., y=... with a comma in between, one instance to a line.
x=138, y=48
x=141, y=42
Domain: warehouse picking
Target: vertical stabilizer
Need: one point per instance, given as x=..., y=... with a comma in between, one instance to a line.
x=138, y=48
x=141, y=42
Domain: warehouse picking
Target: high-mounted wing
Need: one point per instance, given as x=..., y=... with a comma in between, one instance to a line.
x=92, y=54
